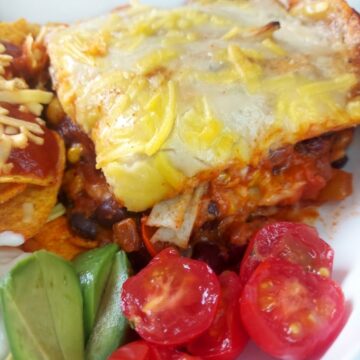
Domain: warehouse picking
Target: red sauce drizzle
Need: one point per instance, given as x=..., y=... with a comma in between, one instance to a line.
x=39, y=161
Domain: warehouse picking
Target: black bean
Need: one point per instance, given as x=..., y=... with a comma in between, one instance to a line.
x=314, y=147
x=83, y=226
x=209, y=253
x=109, y=213
x=213, y=208
x=340, y=163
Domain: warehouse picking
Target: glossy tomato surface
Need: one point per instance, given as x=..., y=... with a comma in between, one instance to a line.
x=226, y=337
x=295, y=242
x=291, y=313
x=163, y=353
x=137, y=350
x=142, y=350
x=172, y=300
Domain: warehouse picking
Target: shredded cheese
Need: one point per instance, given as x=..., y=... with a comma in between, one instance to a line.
x=181, y=93
x=17, y=133
x=26, y=96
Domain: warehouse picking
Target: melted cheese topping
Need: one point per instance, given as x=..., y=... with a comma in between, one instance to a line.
x=16, y=133
x=172, y=97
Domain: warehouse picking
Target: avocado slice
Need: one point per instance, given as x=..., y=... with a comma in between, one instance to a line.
x=93, y=268
x=111, y=326
x=43, y=310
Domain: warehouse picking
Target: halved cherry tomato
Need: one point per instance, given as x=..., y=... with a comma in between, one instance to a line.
x=137, y=350
x=172, y=300
x=226, y=337
x=291, y=313
x=142, y=350
x=295, y=242
x=163, y=353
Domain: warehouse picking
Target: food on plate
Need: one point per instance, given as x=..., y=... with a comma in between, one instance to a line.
x=56, y=236
x=291, y=313
x=297, y=243
x=156, y=165
x=31, y=155
x=42, y=308
x=93, y=269
x=172, y=300
x=141, y=350
x=213, y=109
x=49, y=321
x=286, y=308
x=225, y=339
x=110, y=328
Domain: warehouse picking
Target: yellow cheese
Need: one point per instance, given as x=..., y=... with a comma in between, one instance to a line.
x=170, y=95
x=26, y=96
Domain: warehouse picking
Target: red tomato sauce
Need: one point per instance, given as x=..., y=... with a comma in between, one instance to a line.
x=37, y=161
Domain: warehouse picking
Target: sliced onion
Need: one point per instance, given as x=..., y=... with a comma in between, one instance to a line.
x=175, y=218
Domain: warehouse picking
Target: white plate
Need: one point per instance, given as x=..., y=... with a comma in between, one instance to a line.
x=339, y=223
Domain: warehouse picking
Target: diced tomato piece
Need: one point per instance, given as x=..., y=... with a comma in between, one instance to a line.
x=295, y=242
x=172, y=300
x=226, y=337
x=137, y=350
x=291, y=313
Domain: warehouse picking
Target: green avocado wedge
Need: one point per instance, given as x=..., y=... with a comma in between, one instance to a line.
x=111, y=326
x=93, y=268
x=43, y=310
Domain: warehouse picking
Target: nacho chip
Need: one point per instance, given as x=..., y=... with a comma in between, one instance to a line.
x=56, y=237
x=27, y=212
x=9, y=191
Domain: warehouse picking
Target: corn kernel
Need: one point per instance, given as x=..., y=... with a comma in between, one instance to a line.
x=55, y=112
x=74, y=153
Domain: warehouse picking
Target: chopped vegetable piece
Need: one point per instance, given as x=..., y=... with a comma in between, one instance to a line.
x=126, y=235
x=43, y=310
x=291, y=313
x=111, y=327
x=172, y=300
x=93, y=268
x=295, y=242
x=226, y=337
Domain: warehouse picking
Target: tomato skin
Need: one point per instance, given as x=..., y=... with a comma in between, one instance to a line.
x=295, y=242
x=136, y=350
x=226, y=337
x=291, y=313
x=142, y=350
x=163, y=353
x=172, y=300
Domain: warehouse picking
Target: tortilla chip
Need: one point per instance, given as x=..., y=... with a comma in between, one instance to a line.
x=8, y=191
x=27, y=212
x=16, y=32
x=56, y=237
